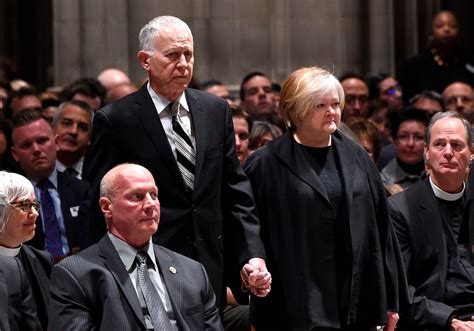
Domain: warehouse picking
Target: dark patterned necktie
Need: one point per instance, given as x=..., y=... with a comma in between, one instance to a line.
x=156, y=309
x=50, y=221
x=185, y=154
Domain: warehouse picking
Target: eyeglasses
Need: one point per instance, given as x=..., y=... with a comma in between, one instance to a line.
x=454, y=100
x=351, y=99
x=392, y=90
x=26, y=205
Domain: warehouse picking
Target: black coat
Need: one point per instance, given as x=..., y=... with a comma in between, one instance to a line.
x=221, y=204
x=17, y=308
x=288, y=195
x=417, y=221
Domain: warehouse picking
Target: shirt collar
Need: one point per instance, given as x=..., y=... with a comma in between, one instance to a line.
x=128, y=253
x=161, y=102
x=76, y=166
x=443, y=195
x=5, y=251
x=53, y=178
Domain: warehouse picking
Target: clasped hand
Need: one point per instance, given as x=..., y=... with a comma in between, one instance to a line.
x=256, y=277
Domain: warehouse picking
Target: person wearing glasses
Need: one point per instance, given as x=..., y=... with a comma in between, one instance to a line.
x=459, y=96
x=18, y=212
x=386, y=92
x=408, y=166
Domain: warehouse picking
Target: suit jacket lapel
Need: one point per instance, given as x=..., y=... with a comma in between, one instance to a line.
x=198, y=119
x=296, y=161
x=148, y=115
x=114, y=264
x=173, y=282
x=4, y=322
x=40, y=276
x=429, y=220
x=346, y=156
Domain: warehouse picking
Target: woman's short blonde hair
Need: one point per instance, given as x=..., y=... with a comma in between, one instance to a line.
x=12, y=187
x=302, y=89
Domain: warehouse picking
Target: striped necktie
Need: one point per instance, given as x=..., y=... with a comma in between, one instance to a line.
x=185, y=154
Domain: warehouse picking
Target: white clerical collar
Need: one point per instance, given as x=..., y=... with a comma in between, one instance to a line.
x=443, y=195
x=5, y=251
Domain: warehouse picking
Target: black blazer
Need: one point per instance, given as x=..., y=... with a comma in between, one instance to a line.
x=38, y=265
x=290, y=197
x=93, y=290
x=420, y=232
x=17, y=308
x=72, y=192
x=221, y=204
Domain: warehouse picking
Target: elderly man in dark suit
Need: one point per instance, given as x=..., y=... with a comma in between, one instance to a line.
x=125, y=282
x=17, y=308
x=185, y=137
x=428, y=219
x=60, y=230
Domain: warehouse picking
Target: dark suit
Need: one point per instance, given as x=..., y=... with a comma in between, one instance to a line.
x=417, y=220
x=38, y=265
x=17, y=308
x=93, y=290
x=293, y=205
x=72, y=192
x=130, y=130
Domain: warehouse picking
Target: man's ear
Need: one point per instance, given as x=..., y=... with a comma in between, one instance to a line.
x=105, y=204
x=426, y=152
x=144, y=59
x=15, y=156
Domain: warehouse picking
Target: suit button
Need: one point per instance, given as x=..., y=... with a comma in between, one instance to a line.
x=194, y=208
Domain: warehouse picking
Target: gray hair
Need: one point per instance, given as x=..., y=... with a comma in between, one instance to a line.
x=148, y=34
x=12, y=187
x=449, y=114
x=78, y=103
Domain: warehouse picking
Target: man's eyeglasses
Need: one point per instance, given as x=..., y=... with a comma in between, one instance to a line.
x=351, y=99
x=454, y=100
x=26, y=205
x=392, y=90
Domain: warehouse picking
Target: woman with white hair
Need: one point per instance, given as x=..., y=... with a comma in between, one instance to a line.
x=18, y=213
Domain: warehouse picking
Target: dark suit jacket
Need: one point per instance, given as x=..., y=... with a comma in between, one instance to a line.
x=291, y=198
x=72, y=193
x=17, y=308
x=38, y=265
x=93, y=290
x=130, y=130
x=416, y=218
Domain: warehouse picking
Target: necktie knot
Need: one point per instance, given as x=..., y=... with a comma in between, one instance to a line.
x=173, y=109
x=44, y=183
x=142, y=258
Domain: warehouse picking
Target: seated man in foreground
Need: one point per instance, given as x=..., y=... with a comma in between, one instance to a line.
x=124, y=282
x=433, y=239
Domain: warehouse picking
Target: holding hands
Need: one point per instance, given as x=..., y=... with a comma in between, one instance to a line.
x=255, y=276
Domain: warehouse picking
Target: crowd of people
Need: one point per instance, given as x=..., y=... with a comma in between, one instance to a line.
x=324, y=203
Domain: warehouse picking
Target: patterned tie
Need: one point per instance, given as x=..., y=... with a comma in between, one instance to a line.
x=156, y=309
x=51, y=226
x=185, y=154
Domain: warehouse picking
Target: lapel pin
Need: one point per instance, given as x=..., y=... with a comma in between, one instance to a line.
x=173, y=270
